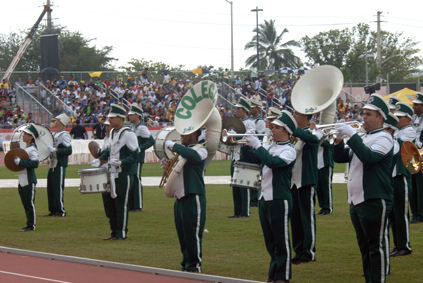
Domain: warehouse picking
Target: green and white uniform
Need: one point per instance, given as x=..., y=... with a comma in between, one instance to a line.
x=27, y=183
x=57, y=172
x=370, y=191
x=416, y=198
x=105, y=195
x=260, y=128
x=275, y=205
x=145, y=141
x=123, y=145
x=399, y=217
x=190, y=205
x=324, y=186
x=303, y=181
x=241, y=196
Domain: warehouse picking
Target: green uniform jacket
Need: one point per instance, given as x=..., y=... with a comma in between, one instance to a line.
x=144, y=144
x=30, y=166
x=309, y=175
x=193, y=170
x=63, y=152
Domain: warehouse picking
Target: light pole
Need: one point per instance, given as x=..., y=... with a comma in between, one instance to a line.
x=232, y=42
x=258, y=60
x=366, y=55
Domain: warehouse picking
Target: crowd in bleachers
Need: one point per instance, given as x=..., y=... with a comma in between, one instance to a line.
x=89, y=101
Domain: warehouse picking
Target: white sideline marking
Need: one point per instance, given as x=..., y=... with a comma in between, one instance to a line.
x=35, y=277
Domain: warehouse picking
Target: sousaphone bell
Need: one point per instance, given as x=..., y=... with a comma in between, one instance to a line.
x=411, y=157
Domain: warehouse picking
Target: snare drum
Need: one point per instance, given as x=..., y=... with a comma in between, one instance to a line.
x=93, y=180
x=168, y=133
x=227, y=149
x=246, y=175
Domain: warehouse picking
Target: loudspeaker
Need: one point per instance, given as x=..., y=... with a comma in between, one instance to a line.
x=49, y=57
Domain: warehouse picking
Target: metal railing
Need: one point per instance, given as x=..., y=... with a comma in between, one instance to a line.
x=30, y=104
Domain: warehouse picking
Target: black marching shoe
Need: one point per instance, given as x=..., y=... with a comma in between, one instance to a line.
x=119, y=239
x=401, y=252
x=110, y=238
x=415, y=221
x=296, y=260
x=26, y=229
x=233, y=216
x=136, y=210
x=320, y=212
x=393, y=252
x=59, y=214
x=325, y=213
x=50, y=214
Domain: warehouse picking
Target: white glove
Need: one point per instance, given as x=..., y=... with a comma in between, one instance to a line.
x=169, y=144
x=163, y=162
x=231, y=131
x=253, y=141
x=115, y=162
x=319, y=134
x=105, y=165
x=344, y=130
x=250, y=132
x=51, y=149
x=95, y=163
x=17, y=160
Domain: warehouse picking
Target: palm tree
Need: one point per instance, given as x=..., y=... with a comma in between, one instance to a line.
x=273, y=53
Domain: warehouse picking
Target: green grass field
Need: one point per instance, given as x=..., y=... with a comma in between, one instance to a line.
x=232, y=247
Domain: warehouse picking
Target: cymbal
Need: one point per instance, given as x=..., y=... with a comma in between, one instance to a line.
x=93, y=147
x=410, y=156
x=232, y=123
x=11, y=155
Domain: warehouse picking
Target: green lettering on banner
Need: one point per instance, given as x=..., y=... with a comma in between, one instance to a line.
x=196, y=98
x=204, y=89
x=212, y=94
x=179, y=114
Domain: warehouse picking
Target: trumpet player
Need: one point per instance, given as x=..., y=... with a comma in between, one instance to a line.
x=241, y=196
x=416, y=198
x=303, y=181
x=369, y=183
x=275, y=199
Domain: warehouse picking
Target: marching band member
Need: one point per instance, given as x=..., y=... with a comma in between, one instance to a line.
x=145, y=141
x=241, y=196
x=260, y=128
x=27, y=177
x=122, y=154
x=369, y=183
x=275, y=200
x=393, y=100
x=105, y=195
x=59, y=153
x=399, y=217
x=190, y=200
x=272, y=114
x=416, y=198
x=325, y=174
x=303, y=182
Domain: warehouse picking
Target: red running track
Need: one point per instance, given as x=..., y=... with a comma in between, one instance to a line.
x=26, y=269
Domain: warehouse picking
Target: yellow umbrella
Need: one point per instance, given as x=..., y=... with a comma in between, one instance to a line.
x=405, y=95
x=95, y=74
x=200, y=71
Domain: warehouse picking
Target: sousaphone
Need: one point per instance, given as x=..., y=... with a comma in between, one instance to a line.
x=411, y=157
x=196, y=109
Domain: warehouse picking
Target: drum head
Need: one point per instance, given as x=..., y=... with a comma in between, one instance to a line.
x=11, y=155
x=45, y=139
x=168, y=133
x=17, y=136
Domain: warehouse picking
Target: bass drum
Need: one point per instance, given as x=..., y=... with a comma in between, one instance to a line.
x=45, y=139
x=168, y=133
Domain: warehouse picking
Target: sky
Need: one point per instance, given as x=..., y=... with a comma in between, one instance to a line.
x=193, y=33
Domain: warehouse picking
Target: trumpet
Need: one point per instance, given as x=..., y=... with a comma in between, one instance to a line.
x=232, y=137
x=329, y=129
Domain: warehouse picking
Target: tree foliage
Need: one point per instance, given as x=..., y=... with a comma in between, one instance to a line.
x=344, y=49
x=273, y=53
x=76, y=53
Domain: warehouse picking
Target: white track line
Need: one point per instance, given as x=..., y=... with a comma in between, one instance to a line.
x=35, y=277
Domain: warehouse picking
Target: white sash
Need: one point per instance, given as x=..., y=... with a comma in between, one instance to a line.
x=114, y=170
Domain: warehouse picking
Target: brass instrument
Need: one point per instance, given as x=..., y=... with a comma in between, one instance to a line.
x=228, y=137
x=168, y=169
x=412, y=157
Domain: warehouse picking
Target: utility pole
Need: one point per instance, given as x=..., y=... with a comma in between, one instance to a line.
x=258, y=59
x=232, y=42
x=378, y=55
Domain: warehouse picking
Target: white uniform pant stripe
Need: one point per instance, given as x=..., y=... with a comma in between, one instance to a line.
x=313, y=232
x=381, y=236
x=125, y=206
x=248, y=202
x=61, y=191
x=139, y=185
x=32, y=203
x=287, y=245
x=330, y=189
x=406, y=219
x=197, y=231
x=387, y=245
